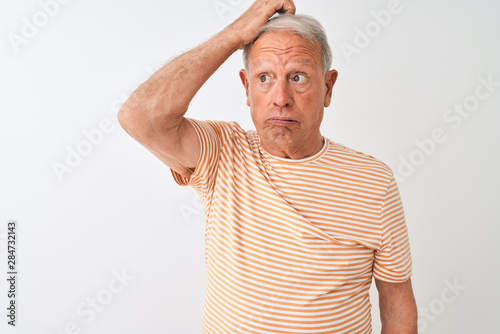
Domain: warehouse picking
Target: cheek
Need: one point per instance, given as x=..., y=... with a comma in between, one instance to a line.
x=312, y=105
x=256, y=107
x=307, y=101
x=316, y=97
x=257, y=99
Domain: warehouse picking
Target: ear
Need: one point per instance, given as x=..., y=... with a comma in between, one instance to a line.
x=244, y=81
x=330, y=79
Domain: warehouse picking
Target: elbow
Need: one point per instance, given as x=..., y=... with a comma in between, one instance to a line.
x=123, y=117
x=154, y=118
x=128, y=118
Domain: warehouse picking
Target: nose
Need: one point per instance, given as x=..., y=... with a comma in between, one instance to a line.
x=282, y=96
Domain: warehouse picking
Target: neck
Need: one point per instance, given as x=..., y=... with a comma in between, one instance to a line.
x=295, y=152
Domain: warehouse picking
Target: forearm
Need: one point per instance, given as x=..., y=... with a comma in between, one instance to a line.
x=398, y=309
x=164, y=98
x=400, y=322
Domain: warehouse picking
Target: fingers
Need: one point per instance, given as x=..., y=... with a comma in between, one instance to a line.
x=277, y=6
x=248, y=25
x=288, y=7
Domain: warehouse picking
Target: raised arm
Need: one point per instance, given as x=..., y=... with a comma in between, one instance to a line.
x=154, y=113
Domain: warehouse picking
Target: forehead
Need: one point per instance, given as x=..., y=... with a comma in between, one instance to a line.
x=284, y=47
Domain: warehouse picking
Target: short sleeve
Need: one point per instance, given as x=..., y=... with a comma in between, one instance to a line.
x=211, y=137
x=393, y=260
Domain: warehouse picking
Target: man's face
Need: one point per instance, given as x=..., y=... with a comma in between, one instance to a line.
x=287, y=91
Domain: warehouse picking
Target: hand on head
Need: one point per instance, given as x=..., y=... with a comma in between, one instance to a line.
x=247, y=25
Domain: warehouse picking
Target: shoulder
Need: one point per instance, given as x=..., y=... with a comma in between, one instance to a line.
x=226, y=131
x=214, y=128
x=354, y=160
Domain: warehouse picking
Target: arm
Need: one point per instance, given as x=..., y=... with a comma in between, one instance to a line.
x=398, y=310
x=154, y=113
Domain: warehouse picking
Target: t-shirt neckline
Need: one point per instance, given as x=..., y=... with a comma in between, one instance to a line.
x=314, y=157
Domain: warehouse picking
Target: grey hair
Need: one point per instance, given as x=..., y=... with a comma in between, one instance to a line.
x=305, y=26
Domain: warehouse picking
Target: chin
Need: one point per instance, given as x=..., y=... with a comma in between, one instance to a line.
x=280, y=135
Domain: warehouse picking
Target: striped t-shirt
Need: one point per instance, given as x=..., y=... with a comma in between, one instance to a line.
x=292, y=245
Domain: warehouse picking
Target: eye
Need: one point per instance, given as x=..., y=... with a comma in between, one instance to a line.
x=298, y=78
x=264, y=78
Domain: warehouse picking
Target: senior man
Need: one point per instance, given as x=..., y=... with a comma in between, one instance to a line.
x=296, y=224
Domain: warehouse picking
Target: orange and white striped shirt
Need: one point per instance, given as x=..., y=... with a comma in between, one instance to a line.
x=291, y=246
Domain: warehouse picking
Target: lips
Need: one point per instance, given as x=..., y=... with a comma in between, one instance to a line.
x=282, y=120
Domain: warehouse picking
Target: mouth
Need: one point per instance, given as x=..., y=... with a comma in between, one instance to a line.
x=282, y=120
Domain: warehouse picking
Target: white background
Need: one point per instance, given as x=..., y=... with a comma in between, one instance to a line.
x=118, y=209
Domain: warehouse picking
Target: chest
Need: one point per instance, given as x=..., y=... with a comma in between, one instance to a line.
x=336, y=200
